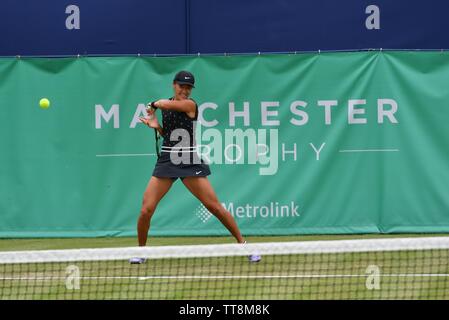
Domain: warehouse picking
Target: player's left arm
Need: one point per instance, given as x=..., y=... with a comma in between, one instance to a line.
x=187, y=106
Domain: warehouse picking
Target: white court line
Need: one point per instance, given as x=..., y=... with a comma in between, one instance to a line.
x=399, y=275
x=126, y=155
x=370, y=150
x=292, y=276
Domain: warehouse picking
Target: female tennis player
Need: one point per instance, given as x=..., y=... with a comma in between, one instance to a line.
x=179, y=159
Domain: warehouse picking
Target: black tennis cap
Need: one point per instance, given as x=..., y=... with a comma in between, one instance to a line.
x=185, y=77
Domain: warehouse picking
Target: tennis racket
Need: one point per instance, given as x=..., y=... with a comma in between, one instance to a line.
x=157, y=136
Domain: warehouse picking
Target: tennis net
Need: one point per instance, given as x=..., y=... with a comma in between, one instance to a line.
x=396, y=268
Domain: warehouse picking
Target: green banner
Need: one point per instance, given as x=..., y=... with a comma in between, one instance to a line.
x=298, y=144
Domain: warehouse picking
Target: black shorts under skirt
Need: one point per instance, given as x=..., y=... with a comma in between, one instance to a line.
x=165, y=168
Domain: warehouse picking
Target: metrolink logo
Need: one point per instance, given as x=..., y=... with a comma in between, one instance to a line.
x=271, y=210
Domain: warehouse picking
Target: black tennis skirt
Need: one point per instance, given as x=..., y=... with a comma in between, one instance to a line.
x=194, y=167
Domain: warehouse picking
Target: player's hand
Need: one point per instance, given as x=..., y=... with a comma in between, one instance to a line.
x=150, y=122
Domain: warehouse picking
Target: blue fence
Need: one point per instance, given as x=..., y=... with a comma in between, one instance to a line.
x=63, y=27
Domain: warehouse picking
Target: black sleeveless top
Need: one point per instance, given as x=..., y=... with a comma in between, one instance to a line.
x=179, y=157
x=178, y=128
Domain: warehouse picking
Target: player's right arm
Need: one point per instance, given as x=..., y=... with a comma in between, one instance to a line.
x=187, y=105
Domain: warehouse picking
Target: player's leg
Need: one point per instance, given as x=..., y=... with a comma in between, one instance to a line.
x=201, y=188
x=156, y=189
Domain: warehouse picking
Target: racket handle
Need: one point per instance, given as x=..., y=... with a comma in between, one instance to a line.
x=150, y=107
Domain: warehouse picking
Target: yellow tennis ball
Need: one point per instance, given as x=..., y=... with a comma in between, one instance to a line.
x=44, y=103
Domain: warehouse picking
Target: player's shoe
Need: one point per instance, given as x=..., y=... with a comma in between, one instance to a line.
x=254, y=257
x=137, y=260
